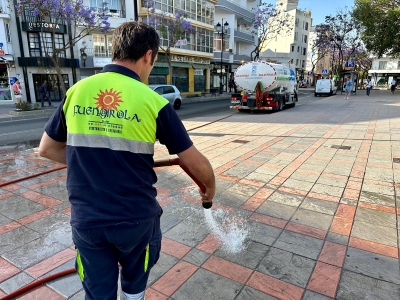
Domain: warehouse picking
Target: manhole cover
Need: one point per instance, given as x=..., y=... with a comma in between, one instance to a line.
x=341, y=147
x=396, y=160
x=240, y=141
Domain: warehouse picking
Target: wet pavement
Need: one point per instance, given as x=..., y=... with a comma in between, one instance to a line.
x=314, y=187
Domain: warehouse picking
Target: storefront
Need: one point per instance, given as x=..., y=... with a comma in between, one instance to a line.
x=5, y=89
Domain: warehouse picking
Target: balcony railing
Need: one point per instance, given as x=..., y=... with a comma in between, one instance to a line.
x=112, y=13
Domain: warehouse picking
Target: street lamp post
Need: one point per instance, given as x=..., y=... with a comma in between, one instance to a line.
x=223, y=29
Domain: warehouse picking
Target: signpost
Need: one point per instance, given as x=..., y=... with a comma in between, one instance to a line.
x=324, y=72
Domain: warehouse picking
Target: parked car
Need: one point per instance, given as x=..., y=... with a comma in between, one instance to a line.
x=169, y=92
x=325, y=87
x=303, y=84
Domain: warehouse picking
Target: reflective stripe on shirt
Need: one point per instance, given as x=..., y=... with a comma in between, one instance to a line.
x=113, y=143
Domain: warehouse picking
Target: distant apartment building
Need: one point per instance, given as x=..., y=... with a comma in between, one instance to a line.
x=291, y=48
x=383, y=71
x=238, y=42
x=314, y=64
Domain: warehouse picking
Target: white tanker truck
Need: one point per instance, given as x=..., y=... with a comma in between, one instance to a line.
x=271, y=87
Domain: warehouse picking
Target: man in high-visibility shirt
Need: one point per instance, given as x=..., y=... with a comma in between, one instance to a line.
x=105, y=131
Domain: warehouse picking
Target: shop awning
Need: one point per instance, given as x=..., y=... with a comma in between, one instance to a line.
x=199, y=66
x=181, y=65
x=6, y=58
x=161, y=64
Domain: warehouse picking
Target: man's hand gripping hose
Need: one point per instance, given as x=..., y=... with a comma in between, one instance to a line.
x=176, y=161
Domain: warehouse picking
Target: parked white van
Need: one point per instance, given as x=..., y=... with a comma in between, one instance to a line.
x=325, y=87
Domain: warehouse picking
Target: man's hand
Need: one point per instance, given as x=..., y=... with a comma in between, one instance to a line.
x=201, y=168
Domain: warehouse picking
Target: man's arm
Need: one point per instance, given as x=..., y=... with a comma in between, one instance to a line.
x=52, y=149
x=201, y=168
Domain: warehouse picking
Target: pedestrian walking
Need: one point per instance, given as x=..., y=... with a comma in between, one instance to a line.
x=44, y=93
x=369, y=87
x=17, y=89
x=348, y=88
x=393, y=85
x=105, y=133
x=231, y=85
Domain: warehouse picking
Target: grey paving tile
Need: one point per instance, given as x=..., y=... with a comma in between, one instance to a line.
x=337, y=238
x=243, y=189
x=175, y=212
x=50, y=223
x=207, y=285
x=378, y=174
x=353, y=286
x=165, y=263
x=52, y=188
x=325, y=207
x=286, y=198
x=189, y=232
x=260, y=176
x=231, y=198
x=14, y=283
x=4, y=220
x=78, y=296
x=222, y=185
x=298, y=184
x=267, y=170
x=277, y=210
x=327, y=190
x=376, y=198
x=249, y=258
x=17, y=207
x=240, y=170
x=299, y=244
x=35, y=251
x=68, y=285
x=375, y=233
x=312, y=218
x=376, y=217
x=249, y=293
x=378, y=189
x=305, y=177
x=16, y=238
x=309, y=295
x=196, y=257
x=287, y=267
x=373, y=265
x=332, y=181
x=262, y=233
x=174, y=183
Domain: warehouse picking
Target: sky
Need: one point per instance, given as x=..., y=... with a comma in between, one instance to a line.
x=321, y=8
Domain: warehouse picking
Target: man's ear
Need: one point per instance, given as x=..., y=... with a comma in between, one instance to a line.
x=148, y=55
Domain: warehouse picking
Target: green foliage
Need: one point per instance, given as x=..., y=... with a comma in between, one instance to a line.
x=26, y=106
x=381, y=22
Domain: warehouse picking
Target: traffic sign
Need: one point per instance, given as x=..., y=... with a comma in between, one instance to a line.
x=324, y=72
x=310, y=73
x=350, y=64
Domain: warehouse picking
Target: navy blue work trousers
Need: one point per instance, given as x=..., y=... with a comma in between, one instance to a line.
x=136, y=246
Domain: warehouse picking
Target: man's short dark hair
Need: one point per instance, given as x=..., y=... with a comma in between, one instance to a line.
x=132, y=40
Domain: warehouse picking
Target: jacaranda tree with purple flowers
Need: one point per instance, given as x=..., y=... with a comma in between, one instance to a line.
x=270, y=21
x=81, y=21
x=172, y=28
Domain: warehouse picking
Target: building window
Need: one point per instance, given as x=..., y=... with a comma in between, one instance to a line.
x=298, y=48
x=306, y=26
x=8, y=36
x=44, y=40
x=297, y=62
x=398, y=65
x=297, y=22
x=382, y=65
x=296, y=34
x=292, y=48
x=304, y=51
x=102, y=45
x=111, y=4
x=303, y=64
x=305, y=39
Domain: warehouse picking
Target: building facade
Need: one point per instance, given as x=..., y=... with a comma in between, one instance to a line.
x=291, y=49
x=383, y=71
x=237, y=43
x=7, y=64
x=190, y=59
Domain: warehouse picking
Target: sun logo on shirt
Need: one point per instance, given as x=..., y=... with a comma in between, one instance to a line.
x=108, y=100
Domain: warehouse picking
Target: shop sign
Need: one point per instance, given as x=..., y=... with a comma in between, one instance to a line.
x=43, y=26
x=190, y=59
x=99, y=62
